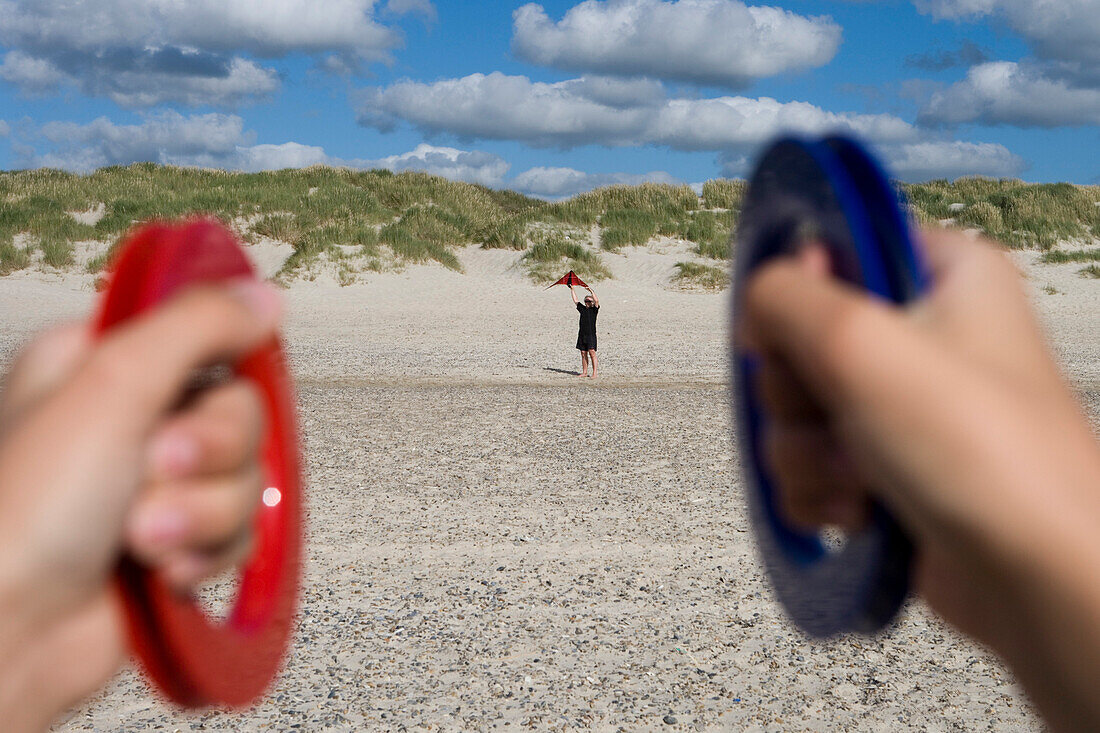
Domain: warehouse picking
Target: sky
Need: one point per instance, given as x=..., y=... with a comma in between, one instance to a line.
x=551, y=98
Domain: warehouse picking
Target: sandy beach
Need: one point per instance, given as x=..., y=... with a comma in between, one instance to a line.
x=494, y=543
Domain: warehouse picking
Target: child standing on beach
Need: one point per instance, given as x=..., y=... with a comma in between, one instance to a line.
x=586, y=337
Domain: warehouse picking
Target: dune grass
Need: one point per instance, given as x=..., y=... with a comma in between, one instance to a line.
x=1021, y=215
x=359, y=221
x=315, y=210
x=698, y=275
x=711, y=233
x=1059, y=256
x=723, y=193
x=13, y=258
x=554, y=253
x=1092, y=271
x=626, y=227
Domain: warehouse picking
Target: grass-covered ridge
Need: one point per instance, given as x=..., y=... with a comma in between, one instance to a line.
x=356, y=221
x=350, y=218
x=1021, y=215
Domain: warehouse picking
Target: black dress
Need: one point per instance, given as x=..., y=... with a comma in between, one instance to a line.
x=586, y=337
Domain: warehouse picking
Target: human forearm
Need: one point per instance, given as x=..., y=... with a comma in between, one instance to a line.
x=1049, y=633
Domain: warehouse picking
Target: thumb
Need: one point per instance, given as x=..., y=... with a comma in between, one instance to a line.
x=41, y=367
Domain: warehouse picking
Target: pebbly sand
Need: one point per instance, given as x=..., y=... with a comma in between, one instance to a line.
x=494, y=543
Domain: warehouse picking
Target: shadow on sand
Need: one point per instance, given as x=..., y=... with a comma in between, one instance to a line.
x=570, y=372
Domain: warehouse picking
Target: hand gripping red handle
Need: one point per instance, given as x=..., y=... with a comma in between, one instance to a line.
x=194, y=660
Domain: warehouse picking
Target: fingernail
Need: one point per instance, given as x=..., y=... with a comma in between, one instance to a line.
x=160, y=526
x=261, y=298
x=174, y=455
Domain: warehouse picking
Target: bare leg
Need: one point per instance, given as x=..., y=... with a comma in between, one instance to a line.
x=584, y=364
x=595, y=361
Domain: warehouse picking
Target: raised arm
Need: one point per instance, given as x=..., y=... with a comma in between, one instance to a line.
x=594, y=296
x=574, y=294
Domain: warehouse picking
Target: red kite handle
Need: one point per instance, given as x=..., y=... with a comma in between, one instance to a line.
x=195, y=660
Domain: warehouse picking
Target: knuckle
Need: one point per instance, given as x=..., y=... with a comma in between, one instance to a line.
x=116, y=366
x=211, y=306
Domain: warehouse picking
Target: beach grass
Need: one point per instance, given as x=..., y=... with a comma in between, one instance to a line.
x=1018, y=214
x=1092, y=271
x=723, y=193
x=698, y=275
x=13, y=258
x=553, y=253
x=1059, y=256
x=626, y=227
x=316, y=210
x=360, y=221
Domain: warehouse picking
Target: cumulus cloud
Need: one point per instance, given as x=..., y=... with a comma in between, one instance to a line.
x=221, y=141
x=168, y=138
x=143, y=81
x=951, y=159
x=144, y=52
x=1062, y=30
x=921, y=161
x=719, y=42
x=1008, y=92
x=472, y=166
x=497, y=106
x=32, y=74
x=269, y=157
x=1058, y=86
x=570, y=113
x=578, y=112
x=558, y=183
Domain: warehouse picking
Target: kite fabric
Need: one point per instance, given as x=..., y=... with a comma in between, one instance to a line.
x=569, y=278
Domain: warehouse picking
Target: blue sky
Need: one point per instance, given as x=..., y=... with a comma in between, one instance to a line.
x=551, y=98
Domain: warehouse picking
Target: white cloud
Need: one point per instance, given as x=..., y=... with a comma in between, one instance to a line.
x=923, y=160
x=1007, y=92
x=558, y=183
x=269, y=29
x=168, y=138
x=576, y=112
x=221, y=141
x=472, y=166
x=240, y=81
x=736, y=122
x=270, y=157
x=496, y=106
x=950, y=159
x=144, y=52
x=719, y=42
x=29, y=73
x=244, y=81
x=1065, y=30
x=5, y=128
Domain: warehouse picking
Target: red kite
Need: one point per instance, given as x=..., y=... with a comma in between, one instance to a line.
x=569, y=278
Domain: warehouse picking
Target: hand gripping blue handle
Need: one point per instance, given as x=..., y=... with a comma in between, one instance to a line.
x=830, y=190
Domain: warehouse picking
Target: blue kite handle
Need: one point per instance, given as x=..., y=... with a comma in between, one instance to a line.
x=834, y=190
